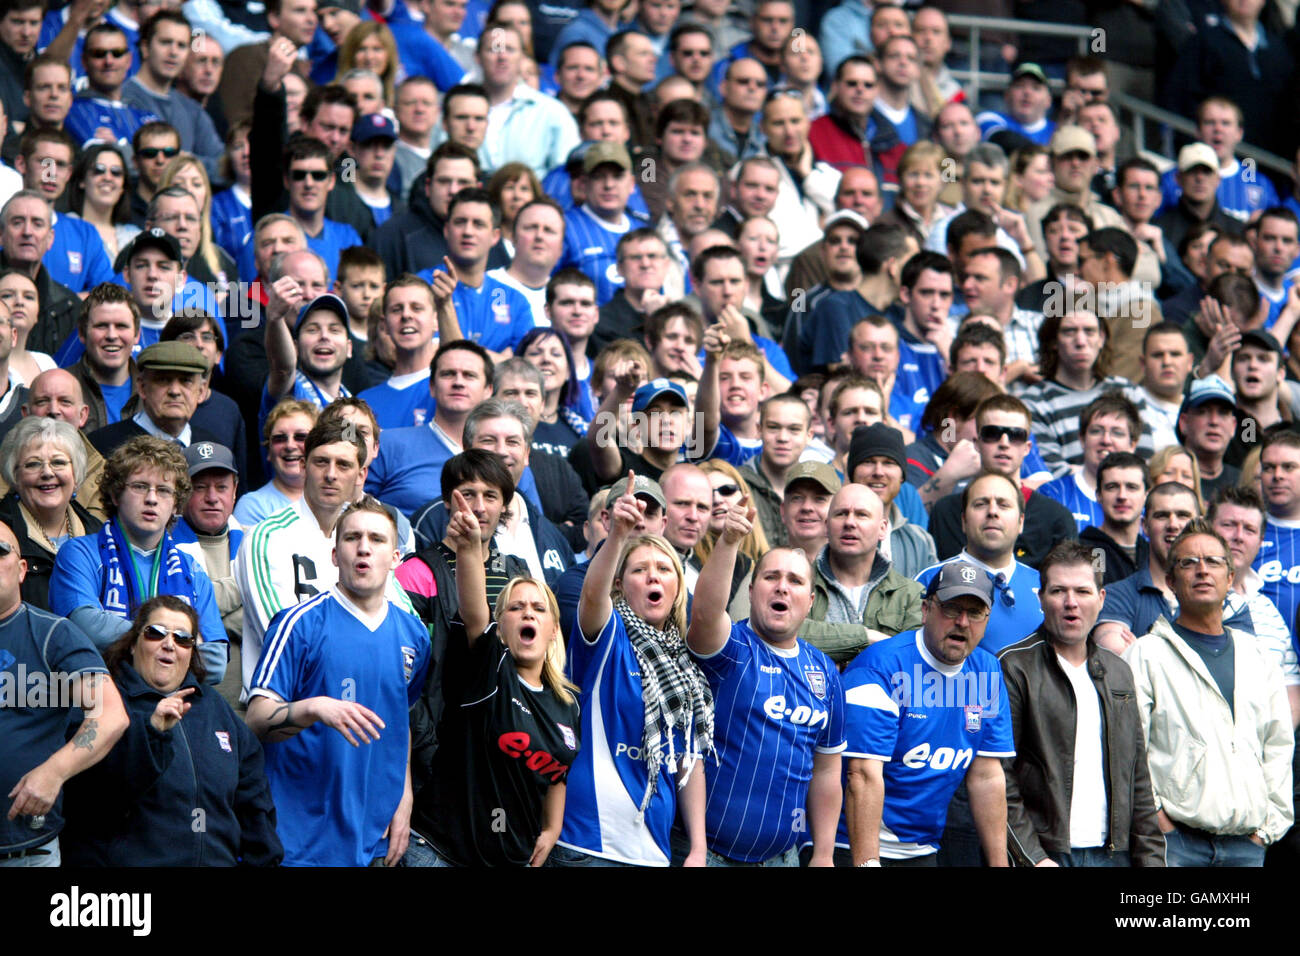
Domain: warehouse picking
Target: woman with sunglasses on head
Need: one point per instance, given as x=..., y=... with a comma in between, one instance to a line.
x=185, y=752
x=284, y=436
x=509, y=732
x=647, y=712
x=97, y=193
x=728, y=490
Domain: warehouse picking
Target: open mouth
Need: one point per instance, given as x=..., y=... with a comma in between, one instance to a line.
x=780, y=607
x=655, y=596
x=527, y=633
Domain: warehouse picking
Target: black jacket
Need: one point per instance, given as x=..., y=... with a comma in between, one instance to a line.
x=59, y=310
x=1046, y=523
x=563, y=500
x=1040, y=776
x=110, y=437
x=40, y=563
x=137, y=806
x=1115, y=563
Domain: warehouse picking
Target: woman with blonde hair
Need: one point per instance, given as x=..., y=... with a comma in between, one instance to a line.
x=208, y=263
x=920, y=180
x=728, y=488
x=493, y=755
x=1176, y=463
x=642, y=689
x=370, y=46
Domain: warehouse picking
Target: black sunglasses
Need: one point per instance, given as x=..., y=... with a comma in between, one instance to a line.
x=726, y=490
x=156, y=632
x=103, y=54
x=317, y=175
x=99, y=169
x=153, y=152
x=6, y=549
x=993, y=433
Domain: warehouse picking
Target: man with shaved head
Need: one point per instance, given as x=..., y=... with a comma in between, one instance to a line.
x=853, y=580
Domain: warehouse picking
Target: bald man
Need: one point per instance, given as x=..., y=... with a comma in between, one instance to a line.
x=57, y=394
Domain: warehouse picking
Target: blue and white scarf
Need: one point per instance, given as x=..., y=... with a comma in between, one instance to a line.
x=125, y=586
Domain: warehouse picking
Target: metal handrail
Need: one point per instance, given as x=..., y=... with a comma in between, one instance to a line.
x=1139, y=112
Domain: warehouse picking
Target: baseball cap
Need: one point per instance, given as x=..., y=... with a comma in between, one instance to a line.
x=153, y=238
x=958, y=579
x=1261, y=339
x=1029, y=69
x=1072, y=139
x=643, y=487
x=174, y=357
x=373, y=126
x=206, y=455
x=352, y=6
x=878, y=439
x=845, y=215
x=328, y=301
x=652, y=389
x=1197, y=154
x=1208, y=389
x=817, y=472
x=606, y=152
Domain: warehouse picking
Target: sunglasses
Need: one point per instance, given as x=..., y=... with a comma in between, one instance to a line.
x=6, y=549
x=156, y=632
x=989, y=434
x=282, y=438
x=726, y=491
x=317, y=175
x=153, y=152
x=99, y=169
x=115, y=53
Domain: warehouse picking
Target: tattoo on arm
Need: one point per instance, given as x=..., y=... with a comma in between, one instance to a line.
x=281, y=719
x=85, y=739
x=932, y=486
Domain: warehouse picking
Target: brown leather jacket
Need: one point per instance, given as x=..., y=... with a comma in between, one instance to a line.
x=1040, y=776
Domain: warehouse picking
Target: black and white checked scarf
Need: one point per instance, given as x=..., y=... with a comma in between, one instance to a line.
x=675, y=692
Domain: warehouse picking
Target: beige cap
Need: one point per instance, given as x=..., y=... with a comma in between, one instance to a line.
x=1197, y=154
x=819, y=472
x=1072, y=139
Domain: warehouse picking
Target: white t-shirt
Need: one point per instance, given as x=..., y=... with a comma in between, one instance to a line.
x=1088, y=823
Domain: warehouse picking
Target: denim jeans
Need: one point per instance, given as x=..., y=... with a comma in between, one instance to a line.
x=789, y=858
x=960, y=844
x=1091, y=856
x=45, y=855
x=1185, y=846
x=563, y=856
x=420, y=852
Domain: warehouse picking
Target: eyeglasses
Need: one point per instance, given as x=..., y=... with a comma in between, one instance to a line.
x=990, y=434
x=953, y=611
x=153, y=152
x=156, y=632
x=105, y=53
x=317, y=175
x=99, y=169
x=142, y=488
x=207, y=338
x=36, y=465
x=282, y=438
x=726, y=491
x=1214, y=561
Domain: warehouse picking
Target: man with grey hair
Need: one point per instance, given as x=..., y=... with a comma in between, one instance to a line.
x=694, y=192
x=26, y=234
x=985, y=174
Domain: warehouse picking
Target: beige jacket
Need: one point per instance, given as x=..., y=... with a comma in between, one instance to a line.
x=1210, y=769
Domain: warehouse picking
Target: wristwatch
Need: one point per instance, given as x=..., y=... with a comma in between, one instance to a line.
x=870, y=863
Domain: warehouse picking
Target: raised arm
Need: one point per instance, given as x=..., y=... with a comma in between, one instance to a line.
x=604, y=437
x=708, y=398
x=444, y=285
x=710, y=626
x=595, y=605
x=285, y=298
x=464, y=536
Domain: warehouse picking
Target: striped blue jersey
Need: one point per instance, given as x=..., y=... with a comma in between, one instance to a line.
x=334, y=801
x=232, y=221
x=402, y=401
x=773, y=709
x=992, y=121
x=608, y=780
x=1016, y=612
x=1242, y=192
x=1278, y=564
x=495, y=315
x=590, y=245
x=301, y=389
x=927, y=721
x=1082, y=504
x=89, y=112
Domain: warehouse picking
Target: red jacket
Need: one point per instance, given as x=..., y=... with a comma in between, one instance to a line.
x=834, y=142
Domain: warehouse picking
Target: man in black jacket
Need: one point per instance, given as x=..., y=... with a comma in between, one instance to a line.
x=1118, y=549
x=26, y=234
x=1078, y=789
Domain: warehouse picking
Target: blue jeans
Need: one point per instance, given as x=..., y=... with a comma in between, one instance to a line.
x=45, y=855
x=789, y=858
x=1091, y=856
x=563, y=856
x=420, y=852
x=1185, y=846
